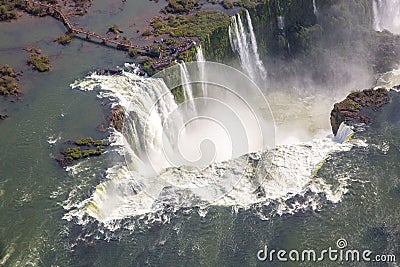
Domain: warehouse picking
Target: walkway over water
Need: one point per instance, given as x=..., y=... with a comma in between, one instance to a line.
x=57, y=13
x=166, y=58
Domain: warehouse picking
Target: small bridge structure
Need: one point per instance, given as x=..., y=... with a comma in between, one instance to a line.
x=57, y=13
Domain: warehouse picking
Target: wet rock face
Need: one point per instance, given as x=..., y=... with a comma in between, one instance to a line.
x=116, y=118
x=113, y=71
x=358, y=107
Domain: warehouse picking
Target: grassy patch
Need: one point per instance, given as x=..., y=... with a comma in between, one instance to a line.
x=82, y=148
x=200, y=24
x=114, y=29
x=39, y=63
x=64, y=39
x=180, y=6
x=7, y=11
x=227, y=4
x=8, y=83
x=84, y=141
x=132, y=52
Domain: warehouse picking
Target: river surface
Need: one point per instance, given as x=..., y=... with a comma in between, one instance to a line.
x=37, y=196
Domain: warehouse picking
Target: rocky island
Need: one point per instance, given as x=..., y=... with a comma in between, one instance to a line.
x=359, y=107
x=8, y=81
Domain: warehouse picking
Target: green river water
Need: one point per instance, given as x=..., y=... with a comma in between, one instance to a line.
x=33, y=187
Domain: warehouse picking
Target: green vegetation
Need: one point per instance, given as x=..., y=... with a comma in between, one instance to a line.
x=132, y=52
x=91, y=152
x=227, y=4
x=126, y=41
x=84, y=141
x=208, y=26
x=315, y=47
x=33, y=10
x=7, y=11
x=154, y=51
x=38, y=62
x=177, y=92
x=159, y=27
x=248, y=4
x=352, y=108
x=180, y=6
x=74, y=153
x=366, y=98
x=349, y=104
x=88, y=141
x=64, y=39
x=188, y=55
x=147, y=66
x=147, y=32
x=83, y=148
x=217, y=46
x=170, y=41
x=8, y=84
x=200, y=24
x=114, y=29
x=98, y=143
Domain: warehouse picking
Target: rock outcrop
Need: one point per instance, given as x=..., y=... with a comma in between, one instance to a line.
x=358, y=107
x=79, y=149
x=112, y=71
x=116, y=118
x=3, y=117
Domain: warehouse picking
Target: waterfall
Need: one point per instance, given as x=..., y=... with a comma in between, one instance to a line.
x=187, y=87
x=344, y=133
x=315, y=7
x=245, y=44
x=201, y=65
x=152, y=122
x=386, y=15
x=259, y=64
x=166, y=166
x=377, y=18
x=281, y=23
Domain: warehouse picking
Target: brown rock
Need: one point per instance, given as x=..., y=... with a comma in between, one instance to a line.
x=116, y=118
x=352, y=109
x=101, y=128
x=3, y=117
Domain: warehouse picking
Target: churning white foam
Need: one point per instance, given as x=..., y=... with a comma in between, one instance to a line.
x=260, y=177
x=386, y=15
x=244, y=43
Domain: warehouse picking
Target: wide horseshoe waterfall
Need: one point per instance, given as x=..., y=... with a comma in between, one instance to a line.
x=199, y=133
x=177, y=159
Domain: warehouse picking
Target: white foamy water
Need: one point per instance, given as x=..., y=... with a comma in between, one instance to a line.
x=187, y=87
x=201, y=64
x=130, y=190
x=315, y=9
x=52, y=139
x=244, y=43
x=389, y=79
x=386, y=15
